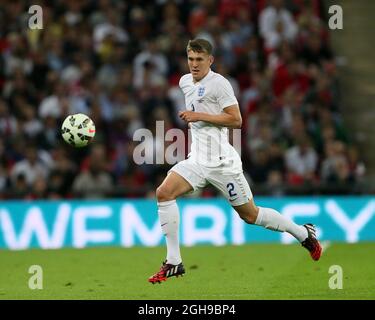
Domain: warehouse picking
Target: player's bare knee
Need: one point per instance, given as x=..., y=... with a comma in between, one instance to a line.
x=163, y=194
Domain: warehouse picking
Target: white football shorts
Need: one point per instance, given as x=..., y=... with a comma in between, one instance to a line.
x=233, y=186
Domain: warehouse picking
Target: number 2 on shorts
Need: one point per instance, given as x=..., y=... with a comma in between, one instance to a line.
x=230, y=187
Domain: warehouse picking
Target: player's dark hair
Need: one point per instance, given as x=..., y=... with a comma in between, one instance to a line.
x=199, y=45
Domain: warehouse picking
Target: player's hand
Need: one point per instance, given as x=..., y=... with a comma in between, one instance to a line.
x=189, y=116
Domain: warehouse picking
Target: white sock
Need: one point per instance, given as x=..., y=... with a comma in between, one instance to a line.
x=169, y=217
x=273, y=220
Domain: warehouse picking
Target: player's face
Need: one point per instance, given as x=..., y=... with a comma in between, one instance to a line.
x=199, y=64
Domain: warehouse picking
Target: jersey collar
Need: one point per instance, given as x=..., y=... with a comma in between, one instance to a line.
x=204, y=79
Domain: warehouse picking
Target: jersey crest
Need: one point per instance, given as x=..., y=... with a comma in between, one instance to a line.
x=201, y=91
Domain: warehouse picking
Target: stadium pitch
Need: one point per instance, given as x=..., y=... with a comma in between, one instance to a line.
x=256, y=271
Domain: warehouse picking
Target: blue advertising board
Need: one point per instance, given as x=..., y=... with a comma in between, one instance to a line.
x=127, y=223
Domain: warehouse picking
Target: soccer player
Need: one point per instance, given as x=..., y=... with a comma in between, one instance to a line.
x=212, y=108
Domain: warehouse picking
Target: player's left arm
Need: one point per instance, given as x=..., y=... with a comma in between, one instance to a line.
x=230, y=117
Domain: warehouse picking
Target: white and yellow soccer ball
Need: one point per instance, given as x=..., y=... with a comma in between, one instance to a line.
x=78, y=130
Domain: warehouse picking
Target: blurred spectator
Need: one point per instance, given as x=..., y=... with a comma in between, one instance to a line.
x=356, y=166
x=55, y=105
x=3, y=167
x=50, y=135
x=95, y=182
x=314, y=51
x=108, y=32
x=149, y=65
x=39, y=189
x=301, y=161
x=276, y=159
x=341, y=172
x=62, y=174
x=30, y=168
x=259, y=168
x=20, y=188
x=8, y=123
x=275, y=183
x=30, y=125
x=334, y=153
x=276, y=24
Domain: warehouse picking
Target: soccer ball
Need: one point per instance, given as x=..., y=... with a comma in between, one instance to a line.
x=78, y=130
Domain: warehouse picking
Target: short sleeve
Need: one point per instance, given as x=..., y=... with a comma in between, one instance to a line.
x=180, y=83
x=183, y=83
x=225, y=94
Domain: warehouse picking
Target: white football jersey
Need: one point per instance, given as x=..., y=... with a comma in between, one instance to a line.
x=210, y=144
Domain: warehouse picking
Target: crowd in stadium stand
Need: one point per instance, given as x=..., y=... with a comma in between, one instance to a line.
x=120, y=62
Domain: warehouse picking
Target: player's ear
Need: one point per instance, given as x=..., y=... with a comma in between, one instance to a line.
x=211, y=59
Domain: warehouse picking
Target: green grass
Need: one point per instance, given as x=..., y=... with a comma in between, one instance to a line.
x=257, y=271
